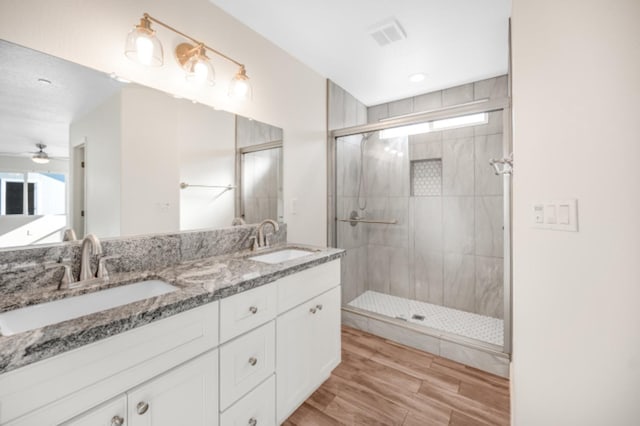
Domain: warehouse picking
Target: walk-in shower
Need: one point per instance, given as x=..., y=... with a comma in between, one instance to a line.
x=424, y=218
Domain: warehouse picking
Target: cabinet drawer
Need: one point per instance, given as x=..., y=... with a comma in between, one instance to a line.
x=257, y=408
x=245, y=362
x=247, y=310
x=302, y=286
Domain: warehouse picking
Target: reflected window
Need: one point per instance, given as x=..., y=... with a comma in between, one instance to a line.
x=33, y=208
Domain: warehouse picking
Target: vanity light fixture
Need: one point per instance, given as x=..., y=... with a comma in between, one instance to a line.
x=143, y=46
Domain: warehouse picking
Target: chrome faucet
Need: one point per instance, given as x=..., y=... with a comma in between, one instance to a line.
x=261, y=241
x=90, y=246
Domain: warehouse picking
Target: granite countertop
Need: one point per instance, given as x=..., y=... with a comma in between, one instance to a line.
x=198, y=281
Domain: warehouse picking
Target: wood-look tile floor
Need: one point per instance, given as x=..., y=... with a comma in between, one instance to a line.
x=380, y=382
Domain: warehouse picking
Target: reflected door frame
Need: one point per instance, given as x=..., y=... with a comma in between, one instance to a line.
x=240, y=169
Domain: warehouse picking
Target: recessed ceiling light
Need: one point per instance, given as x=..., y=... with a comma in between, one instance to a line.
x=417, y=77
x=44, y=81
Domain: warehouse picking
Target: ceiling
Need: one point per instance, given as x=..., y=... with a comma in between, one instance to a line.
x=33, y=112
x=451, y=41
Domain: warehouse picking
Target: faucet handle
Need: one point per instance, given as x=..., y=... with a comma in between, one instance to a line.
x=67, y=278
x=255, y=246
x=102, y=267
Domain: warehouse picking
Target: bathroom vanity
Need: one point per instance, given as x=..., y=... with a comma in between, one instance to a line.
x=241, y=342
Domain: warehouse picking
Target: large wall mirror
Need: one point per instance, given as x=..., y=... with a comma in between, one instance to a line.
x=123, y=159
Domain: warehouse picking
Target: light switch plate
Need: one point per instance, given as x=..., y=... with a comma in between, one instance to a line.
x=559, y=215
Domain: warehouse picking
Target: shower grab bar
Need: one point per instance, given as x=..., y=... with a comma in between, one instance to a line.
x=354, y=219
x=384, y=222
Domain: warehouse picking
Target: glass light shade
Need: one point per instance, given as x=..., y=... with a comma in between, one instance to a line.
x=40, y=158
x=199, y=70
x=144, y=47
x=240, y=87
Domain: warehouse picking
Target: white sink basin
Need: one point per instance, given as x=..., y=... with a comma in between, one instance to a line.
x=36, y=316
x=281, y=256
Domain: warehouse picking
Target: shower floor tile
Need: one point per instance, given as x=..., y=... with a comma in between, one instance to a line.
x=474, y=326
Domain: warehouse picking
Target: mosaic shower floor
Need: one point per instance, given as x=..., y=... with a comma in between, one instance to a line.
x=474, y=326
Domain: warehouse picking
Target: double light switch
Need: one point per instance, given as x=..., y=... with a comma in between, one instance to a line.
x=556, y=215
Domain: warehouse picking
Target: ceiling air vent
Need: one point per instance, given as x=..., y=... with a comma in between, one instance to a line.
x=387, y=31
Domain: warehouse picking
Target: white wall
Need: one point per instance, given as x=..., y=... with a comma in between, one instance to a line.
x=286, y=93
x=206, y=144
x=576, y=81
x=100, y=131
x=150, y=170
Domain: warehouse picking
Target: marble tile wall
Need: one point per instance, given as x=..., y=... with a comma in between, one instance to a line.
x=344, y=110
x=454, y=240
x=445, y=249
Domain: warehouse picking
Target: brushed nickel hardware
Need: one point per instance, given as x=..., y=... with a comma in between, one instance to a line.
x=312, y=310
x=354, y=219
x=506, y=163
x=319, y=307
x=253, y=421
x=142, y=407
x=253, y=360
x=67, y=277
x=253, y=309
x=117, y=421
x=262, y=240
x=102, y=266
x=90, y=246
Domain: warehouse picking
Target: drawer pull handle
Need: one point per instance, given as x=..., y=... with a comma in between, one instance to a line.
x=253, y=310
x=312, y=310
x=142, y=407
x=117, y=421
x=253, y=421
x=319, y=307
x=253, y=360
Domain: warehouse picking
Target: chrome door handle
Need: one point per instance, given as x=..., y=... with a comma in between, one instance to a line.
x=253, y=309
x=117, y=421
x=253, y=360
x=142, y=407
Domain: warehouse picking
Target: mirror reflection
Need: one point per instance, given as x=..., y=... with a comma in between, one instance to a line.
x=83, y=150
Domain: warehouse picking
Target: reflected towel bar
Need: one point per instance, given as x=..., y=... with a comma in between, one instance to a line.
x=225, y=188
x=184, y=185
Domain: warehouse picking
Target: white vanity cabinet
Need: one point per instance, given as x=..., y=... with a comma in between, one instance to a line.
x=186, y=395
x=308, y=336
x=248, y=359
x=75, y=385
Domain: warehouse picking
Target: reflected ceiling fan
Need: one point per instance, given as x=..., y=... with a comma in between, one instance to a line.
x=39, y=156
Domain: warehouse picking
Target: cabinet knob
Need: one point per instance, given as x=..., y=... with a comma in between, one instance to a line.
x=319, y=307
x=142, y=407
x=253, y=360
x=117, y=421
x=253, y=309
x=312, y=310
x=253, y=421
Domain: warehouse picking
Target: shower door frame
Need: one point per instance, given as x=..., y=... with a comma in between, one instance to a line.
x=486, y=105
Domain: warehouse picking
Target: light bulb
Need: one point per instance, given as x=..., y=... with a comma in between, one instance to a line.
x=240, y=89
x=200, y=72
x=144, y=48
